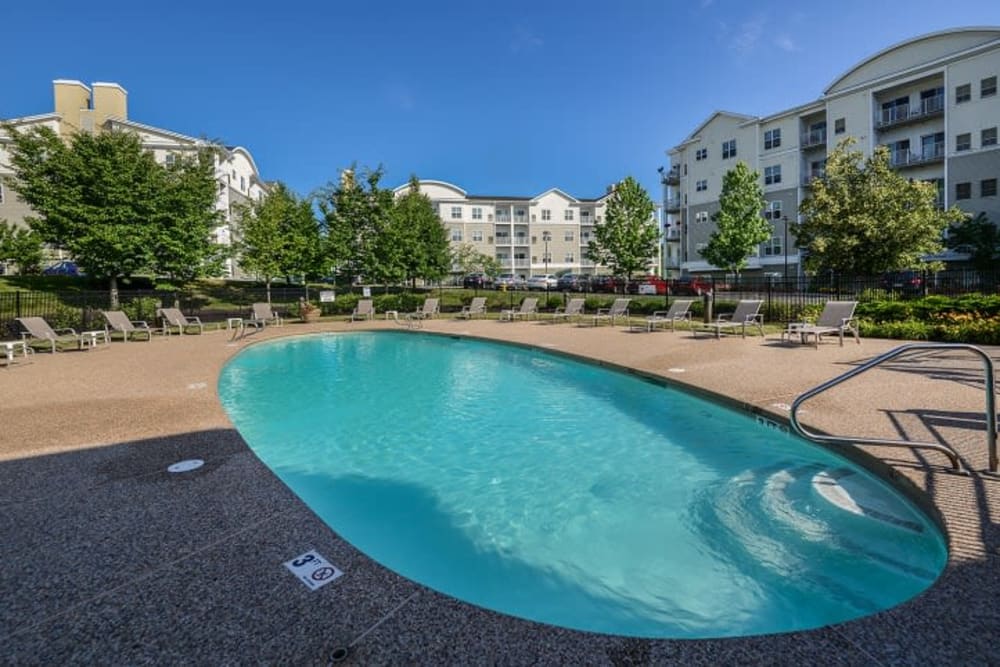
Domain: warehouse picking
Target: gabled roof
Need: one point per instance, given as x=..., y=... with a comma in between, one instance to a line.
x=176, y=136
x=743, y=118
x=33, y=120
x=558, y=192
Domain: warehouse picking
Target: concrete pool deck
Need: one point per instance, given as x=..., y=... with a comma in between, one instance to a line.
x=107, y=558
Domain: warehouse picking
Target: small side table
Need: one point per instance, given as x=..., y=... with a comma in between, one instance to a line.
x=234, y=323
x=10, y=348
x=89, y=339
x=394, y=314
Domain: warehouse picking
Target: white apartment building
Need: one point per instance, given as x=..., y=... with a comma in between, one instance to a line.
x=103, y=107
x=519, y=231
x=932, y=100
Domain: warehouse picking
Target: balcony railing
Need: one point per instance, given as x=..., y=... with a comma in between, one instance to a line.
x=672, y=205
x=814, y=139
x=807, y=179
x=672, y=177
x=520, y=218
x=903, y=159
x=928, y=108
x=503, y=218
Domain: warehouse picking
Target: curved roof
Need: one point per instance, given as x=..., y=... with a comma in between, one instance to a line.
x=441, y=184
x=913, y=53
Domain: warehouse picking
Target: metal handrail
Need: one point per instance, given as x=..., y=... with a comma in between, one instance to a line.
x=991, y=409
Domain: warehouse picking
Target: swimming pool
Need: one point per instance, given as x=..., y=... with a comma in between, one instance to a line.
x=566, y=493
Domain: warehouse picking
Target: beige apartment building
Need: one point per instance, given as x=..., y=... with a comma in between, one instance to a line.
x=103, y=107
x=547, y=233
x=931, y=100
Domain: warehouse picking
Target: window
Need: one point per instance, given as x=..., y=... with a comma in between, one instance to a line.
x=728, y=149
x=839, y=126
x=477, y=213
x=569, y=258
x=772, y=210
x=701, y=154
x=568, y=235
x=963, y=142
x=932, y=146
x=963, y=190
x=771, y=248
x=988, y=87
x=772, y=175
x=988, y=137
x=701, y=216
x=1, y=193
x=772, y=138
x=243, y=183
x=685, y=168
x=456, y=212
x=520, y=214
x=169, y=159
x=584, y=217
x=584, y=237
x=701, y=185
x=963, y=93
x=456, y=234
x=477, y=235
x=988, y=187
x=546, y=214
x=568, y=214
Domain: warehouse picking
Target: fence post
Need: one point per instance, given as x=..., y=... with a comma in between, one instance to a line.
x=17, y=303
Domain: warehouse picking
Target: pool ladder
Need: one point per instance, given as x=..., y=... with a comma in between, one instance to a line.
x=991, y=408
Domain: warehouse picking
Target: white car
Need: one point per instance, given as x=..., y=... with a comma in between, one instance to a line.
x=543, y=281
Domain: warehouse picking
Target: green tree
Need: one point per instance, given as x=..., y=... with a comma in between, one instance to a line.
x=356, y=213
x=980, y=238
x=467, y=259
x=626, y=241
x=740, y=228
x=20, y=246
x=864, y=218
x=279, y=236
x=419, y=232
x=105, y=199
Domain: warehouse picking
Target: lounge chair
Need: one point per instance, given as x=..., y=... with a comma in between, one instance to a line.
x=119, y=321
x=836, y=318
x=529, y=308
x=476, y=307
x=263, y=315
x=618, y=310
x=36, y=328
x=365, y=310
x=747, y=313
x=679, y=311
x=427, y=311
x=173, y=317
x=573, y=309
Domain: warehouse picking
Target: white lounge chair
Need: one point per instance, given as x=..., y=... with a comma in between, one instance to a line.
x=529, y=308
x=618, y=310
x=119, y=321
x=173, y=317
x=836, y=318
x=427, y=311
x=365, y=310
x=36, y=328
x=747, y=313
x=263, y=315
x=573, y=309
x=476, y=307
x=679, y=311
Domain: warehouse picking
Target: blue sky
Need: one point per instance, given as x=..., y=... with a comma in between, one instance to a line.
x=504, y=98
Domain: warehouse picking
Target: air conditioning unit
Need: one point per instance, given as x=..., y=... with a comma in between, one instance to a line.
x=532, y=217
x=534, y=239
x=489, y=217
x=490, y=239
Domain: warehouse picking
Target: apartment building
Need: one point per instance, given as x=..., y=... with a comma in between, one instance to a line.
x=931, y=100
x=103, y=107
x=548, y=233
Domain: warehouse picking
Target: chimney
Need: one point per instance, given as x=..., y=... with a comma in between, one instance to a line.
x=110, y=100
x=72, y=103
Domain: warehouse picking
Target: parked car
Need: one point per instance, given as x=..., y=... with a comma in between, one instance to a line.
x=543, y=281
x=907, y=282
x=574, y=282
x=477, y=280
x=605, y=283
x=689, y=286
x=510, y=281
x=647, y=285
x=63, y=268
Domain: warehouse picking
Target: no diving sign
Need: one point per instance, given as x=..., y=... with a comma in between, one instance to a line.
x=313, y=570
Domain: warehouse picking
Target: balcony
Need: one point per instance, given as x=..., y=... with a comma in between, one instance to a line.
x=672, y=177
x=807, y=179
x=904, y=159
x=813, y=139
x=520, y=218
x=672, y=205
x=503, y=218
x=930, y=107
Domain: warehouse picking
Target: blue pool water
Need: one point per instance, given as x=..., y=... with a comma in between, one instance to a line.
x=562, y=492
